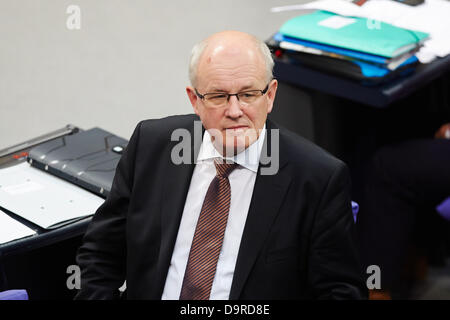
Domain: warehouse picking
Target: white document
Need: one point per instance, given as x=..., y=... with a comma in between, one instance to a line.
x=431, y=17
x=11, y=229
x=337, y=22
x=42, y=198
x=341, y=7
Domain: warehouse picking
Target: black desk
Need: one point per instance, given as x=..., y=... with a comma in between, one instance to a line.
x=351, y=120
x=44, y=238
x=39, y=263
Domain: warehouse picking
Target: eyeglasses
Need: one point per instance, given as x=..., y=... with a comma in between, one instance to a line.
x=220, y=99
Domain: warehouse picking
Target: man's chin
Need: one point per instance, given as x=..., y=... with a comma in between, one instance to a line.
x=232, y=142
x=236, y=144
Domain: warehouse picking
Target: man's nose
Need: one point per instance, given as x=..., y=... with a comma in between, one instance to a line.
x=234, y=109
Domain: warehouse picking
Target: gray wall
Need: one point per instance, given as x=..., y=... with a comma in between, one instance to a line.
x=127, y=62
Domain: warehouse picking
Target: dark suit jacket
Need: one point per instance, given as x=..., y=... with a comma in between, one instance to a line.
x=297, y=241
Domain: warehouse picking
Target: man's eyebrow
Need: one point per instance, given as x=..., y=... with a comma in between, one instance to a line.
x=246, y=87
x=214, y=89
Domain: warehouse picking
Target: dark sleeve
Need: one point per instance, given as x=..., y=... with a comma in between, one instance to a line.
x=335, y=270
x=102, y=255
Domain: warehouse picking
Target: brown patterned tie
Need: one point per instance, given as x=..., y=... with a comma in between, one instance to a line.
x=208, y=236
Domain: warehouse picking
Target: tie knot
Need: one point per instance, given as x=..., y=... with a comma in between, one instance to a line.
x=223, y=169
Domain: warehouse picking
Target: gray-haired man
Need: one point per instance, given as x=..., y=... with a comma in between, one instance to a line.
x=217, y=227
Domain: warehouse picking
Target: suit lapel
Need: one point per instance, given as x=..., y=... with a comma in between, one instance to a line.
x=175, y=189
x=268, y=195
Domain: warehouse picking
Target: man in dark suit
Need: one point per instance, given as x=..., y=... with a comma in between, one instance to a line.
x=246, y=211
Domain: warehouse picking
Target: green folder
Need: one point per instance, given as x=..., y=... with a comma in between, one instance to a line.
x=354, y=33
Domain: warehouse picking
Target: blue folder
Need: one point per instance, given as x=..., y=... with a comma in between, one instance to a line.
x=372, y=71
x=370, y=67
x=387, y=41
x=341, y=51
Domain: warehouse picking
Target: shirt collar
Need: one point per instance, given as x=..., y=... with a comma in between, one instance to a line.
x=249, y=158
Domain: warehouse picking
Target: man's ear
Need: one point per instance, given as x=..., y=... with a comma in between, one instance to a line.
x=271, y=93
x=193, y=98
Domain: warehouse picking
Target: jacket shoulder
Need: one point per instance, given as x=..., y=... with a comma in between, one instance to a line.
x=168, y=124
x=154, y=135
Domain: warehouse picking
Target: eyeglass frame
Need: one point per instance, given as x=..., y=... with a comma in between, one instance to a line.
x=202, y=96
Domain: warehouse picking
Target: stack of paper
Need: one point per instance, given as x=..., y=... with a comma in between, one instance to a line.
x=337, y=38
x=430, y=17
x=348, y=46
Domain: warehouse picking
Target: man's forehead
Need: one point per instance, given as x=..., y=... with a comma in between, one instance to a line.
x=222, y=63
x=220, y=51
x=225, y=79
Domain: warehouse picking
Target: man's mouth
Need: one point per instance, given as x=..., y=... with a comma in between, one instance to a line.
x=236, y=129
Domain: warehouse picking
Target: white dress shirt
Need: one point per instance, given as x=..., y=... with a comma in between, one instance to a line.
x=242, y=181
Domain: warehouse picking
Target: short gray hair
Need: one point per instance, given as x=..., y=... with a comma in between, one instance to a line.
x=199, y=48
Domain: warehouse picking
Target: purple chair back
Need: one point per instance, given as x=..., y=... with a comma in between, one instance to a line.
x=355, y=209
x=14, y=295
x=444, y=209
